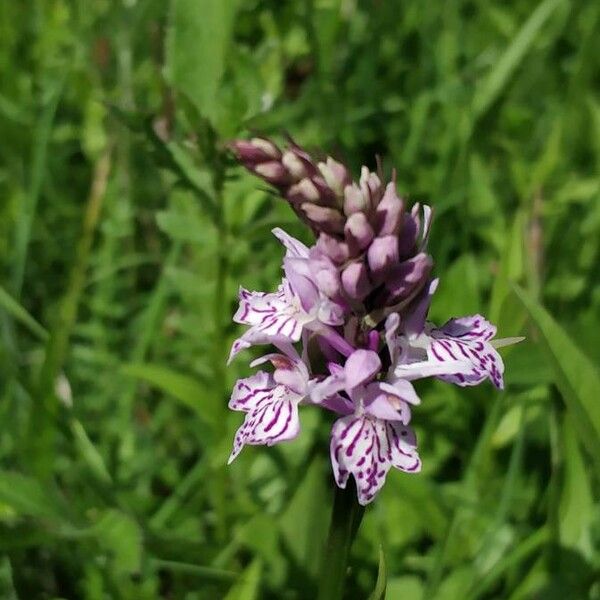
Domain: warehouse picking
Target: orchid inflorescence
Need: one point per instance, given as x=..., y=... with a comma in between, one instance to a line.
x=349, y=320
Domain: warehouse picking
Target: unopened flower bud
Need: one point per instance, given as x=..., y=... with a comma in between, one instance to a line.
x=331, y=247
x=255, y=151
x=303, y=191
x=382, y=255
x=409, y=234
x=358, y=231
x=328, y=282
x=335, y=174
x=355, y=281
x=354, y=200
x=268, y=148
x=273, y=172
x=370, y=186
x=294, y=164
x=326, y=194
x=388, y=215
x=324, y=218
x=408, y=276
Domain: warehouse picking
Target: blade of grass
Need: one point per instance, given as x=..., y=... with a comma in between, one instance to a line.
x=41, y=430
x=41, y=138
x=17, y=312
x=574, y=374
x=497, y=79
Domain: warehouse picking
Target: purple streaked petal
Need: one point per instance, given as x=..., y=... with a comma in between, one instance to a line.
x=360, y=446
x=238, y=346
x=403, y=444
x=251, y=392
x=256, y=306
x=469, y=328
x=468, y=339
x=272, y=421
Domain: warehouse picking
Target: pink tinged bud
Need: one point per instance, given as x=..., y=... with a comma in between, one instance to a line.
x=355, y=281
x=331, y=247
x=358, y=231
x=326, y=194
x=273, y=172
x=256, y=150
x=324, y=218
x=370, y=185
x=335, y=174
x=383, y=255
x=304, y=191
x=388, y=215
x=294, y=165
x=354, y=200
x=409, y=276
x=267, y=147
x=325, y=274
x=328, y=282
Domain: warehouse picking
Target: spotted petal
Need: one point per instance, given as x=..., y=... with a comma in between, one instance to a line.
x=271, y=413
x=272, y=317
x=367, y=448
x=467, y=339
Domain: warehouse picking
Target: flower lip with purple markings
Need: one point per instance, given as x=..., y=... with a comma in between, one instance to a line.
x=349, y=319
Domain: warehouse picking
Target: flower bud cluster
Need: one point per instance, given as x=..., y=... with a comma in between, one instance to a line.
x=372, y=249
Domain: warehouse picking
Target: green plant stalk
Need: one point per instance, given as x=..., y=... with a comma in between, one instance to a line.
x=346, y=517
x=41, y=426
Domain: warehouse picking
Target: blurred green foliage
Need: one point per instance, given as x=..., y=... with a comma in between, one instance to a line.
x=125, y=230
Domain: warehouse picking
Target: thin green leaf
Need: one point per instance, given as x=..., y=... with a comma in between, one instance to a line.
x=248, y=586
x=89, y=453
x=27, y=497
x=574, y=374
x=502, y=70
x=15, y=310
x=184, y=388
x=576, y=505
x=198, y=38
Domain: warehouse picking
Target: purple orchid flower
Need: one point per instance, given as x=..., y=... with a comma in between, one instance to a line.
x=373, y=435
x=366, y=279
x=270, y=401
x=462, y=351
x=298, y=304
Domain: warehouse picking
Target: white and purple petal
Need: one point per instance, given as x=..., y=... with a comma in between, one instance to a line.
x=366, y=448
x=468, y=339
x=273, y=418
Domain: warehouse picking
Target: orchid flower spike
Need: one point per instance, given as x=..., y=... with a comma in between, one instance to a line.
x=349, y=320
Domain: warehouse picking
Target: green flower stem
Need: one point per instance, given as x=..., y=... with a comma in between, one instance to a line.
x=346, y=516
